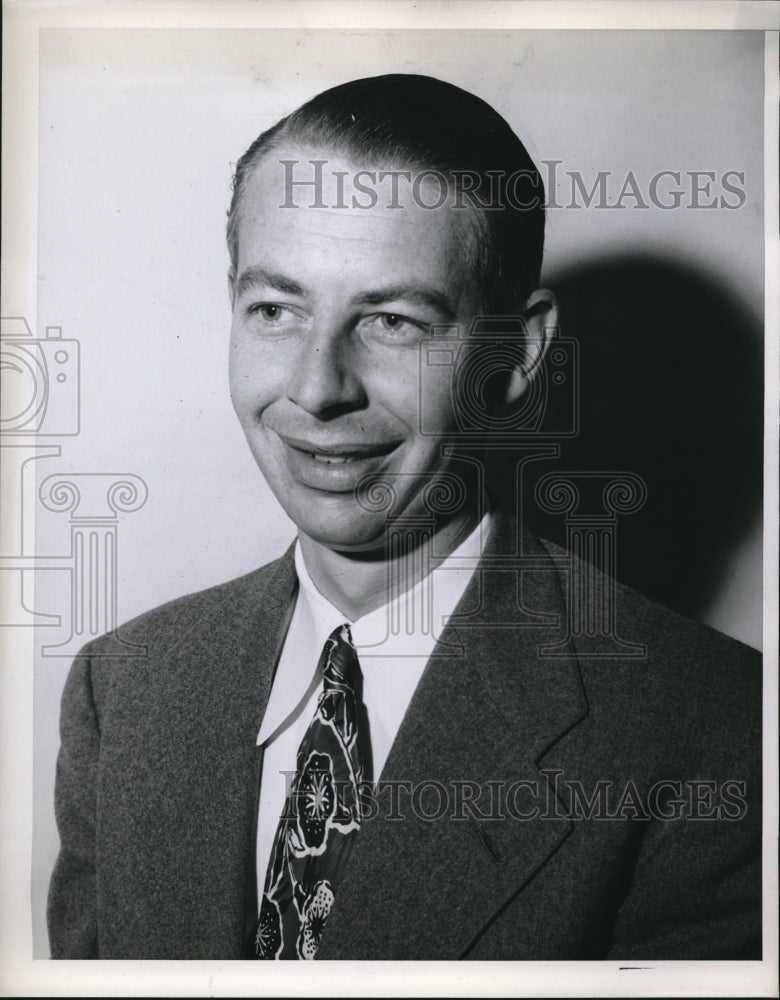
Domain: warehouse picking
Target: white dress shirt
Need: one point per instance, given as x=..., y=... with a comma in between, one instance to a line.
x=393, y=645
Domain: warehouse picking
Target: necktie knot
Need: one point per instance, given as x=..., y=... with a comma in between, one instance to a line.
x=341, y=669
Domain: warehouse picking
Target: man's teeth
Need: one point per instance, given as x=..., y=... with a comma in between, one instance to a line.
x=333, y=459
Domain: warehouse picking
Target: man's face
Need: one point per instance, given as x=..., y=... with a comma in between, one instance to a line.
x=330, y=307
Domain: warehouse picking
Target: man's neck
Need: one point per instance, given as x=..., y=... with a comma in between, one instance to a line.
x=357, y=583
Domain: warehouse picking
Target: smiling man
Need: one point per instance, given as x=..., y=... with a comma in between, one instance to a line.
x=396, y=741
x=330, y=308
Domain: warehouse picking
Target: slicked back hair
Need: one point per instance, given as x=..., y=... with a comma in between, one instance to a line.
x=409, y=122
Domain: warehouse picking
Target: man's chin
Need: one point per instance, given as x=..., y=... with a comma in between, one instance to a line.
x=354, y=537
x=336, y=521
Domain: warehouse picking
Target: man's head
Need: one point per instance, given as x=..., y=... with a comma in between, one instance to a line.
x=417, y=123
x=335, y=292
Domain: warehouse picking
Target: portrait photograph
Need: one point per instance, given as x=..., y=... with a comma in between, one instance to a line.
x=389, y=477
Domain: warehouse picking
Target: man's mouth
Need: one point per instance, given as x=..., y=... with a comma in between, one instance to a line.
x=338, y=453
x=333, y=459
x=335, y=466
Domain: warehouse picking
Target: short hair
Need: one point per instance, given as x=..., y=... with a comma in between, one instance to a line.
x=419, y=122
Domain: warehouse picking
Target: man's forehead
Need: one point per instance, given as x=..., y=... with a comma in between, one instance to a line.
x=314, y=193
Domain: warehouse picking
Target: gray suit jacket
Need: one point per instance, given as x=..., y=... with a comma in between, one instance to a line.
x=158, y=775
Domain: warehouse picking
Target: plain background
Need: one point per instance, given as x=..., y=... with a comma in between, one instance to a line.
x=138, y=134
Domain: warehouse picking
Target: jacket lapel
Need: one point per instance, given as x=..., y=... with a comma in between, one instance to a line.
x=431, y=869
x=257, y=665
x=250, y=621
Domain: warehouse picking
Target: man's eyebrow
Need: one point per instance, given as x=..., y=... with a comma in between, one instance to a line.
x=416, y=294
x=255, y=276
x=252, y=277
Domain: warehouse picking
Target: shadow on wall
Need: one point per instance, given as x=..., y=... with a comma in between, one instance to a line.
x=671, y=386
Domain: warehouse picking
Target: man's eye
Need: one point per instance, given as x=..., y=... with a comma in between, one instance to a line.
x=394, y=326
x=268, y=311
x=392, y=321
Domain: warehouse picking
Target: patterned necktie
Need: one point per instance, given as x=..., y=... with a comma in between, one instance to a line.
x=322, y=814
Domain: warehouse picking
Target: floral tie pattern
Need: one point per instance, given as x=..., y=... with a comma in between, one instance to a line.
x=321, y=817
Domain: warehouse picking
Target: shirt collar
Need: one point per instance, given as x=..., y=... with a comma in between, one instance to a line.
x=315, y=618
x=436, y=596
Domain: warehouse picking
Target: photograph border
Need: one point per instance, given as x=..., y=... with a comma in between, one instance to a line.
x=19, y=973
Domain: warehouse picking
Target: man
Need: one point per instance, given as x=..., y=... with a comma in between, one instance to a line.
x=398, y=740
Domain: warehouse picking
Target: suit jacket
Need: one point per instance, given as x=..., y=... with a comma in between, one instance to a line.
x=158, y=776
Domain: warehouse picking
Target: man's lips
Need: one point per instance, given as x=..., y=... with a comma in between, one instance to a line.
x=340, y=451
x=334, y=466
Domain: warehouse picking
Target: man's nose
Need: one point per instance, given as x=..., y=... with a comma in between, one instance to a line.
x=326, y=380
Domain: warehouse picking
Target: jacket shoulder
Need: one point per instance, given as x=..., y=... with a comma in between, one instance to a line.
x=650, y=620
x=699, y=688
x=265, y=587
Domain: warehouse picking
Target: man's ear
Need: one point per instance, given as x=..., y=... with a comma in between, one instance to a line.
x=231, y=276
x=540, y=321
